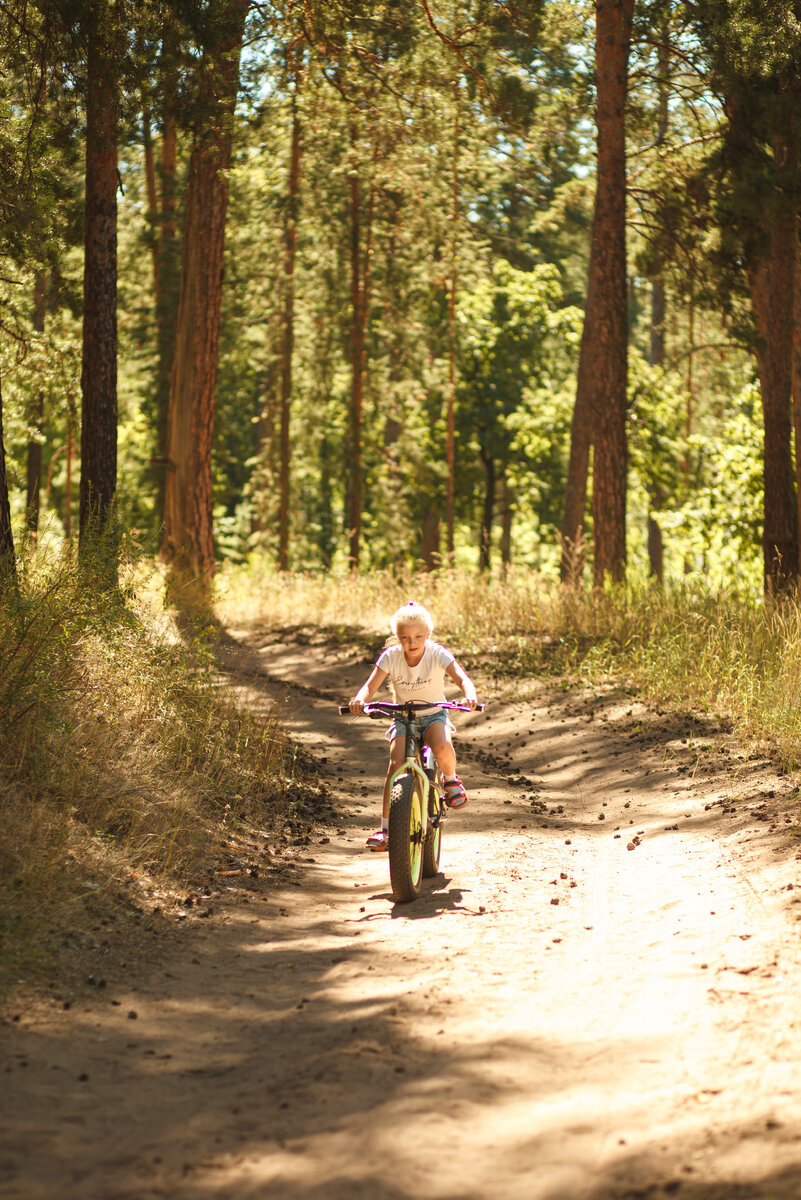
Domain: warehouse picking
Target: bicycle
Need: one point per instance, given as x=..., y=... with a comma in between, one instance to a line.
x=417, y=806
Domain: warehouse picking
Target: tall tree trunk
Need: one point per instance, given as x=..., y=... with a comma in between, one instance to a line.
x=34, y=463
x=689, y=408
x=7, y=558
x=600, y=409
x=796, y=376
x=167, y=273
x=394, y=324
x=572, y=562
x=656, y=499
x=69, y=454
x=656, y=351
x=772, y=291
x=656, y=355
x=99, y=373
x=327, y=537
x=290, y=241
x=262, y=479
x=188, y=545
x=429, y=539
x=357, y=350
x=450, y=424
x=488, y=514
x=606, y=303
x=507, y=514
x=152, y=195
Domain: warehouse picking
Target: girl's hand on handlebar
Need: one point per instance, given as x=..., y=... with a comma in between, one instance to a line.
x=355, y=705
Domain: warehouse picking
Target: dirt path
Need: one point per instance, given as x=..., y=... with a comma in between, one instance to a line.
x=598, y=997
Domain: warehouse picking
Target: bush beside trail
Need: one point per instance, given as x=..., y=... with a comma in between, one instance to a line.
x=127, y=776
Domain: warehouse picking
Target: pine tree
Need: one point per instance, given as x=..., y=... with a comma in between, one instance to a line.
x=7, y=557
x=99, y=375
x=188, y=544
x=758, y=175
x=600, y=410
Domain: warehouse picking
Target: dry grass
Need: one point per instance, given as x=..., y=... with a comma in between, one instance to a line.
x=687, y=647
x=123, y=764
x=121, y=759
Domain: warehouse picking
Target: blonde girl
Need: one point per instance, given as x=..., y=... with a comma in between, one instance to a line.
x=416, y=667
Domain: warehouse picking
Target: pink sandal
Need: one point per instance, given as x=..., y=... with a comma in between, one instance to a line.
x=455, y=795
x=378, y=840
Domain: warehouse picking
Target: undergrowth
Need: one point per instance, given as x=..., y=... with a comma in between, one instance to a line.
x=688, y=646
x=121, y=759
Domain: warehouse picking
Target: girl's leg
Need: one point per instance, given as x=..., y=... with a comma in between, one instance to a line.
x=438, y=737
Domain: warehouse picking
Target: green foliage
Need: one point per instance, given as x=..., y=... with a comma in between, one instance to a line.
x=475, y=170
x=720, y=523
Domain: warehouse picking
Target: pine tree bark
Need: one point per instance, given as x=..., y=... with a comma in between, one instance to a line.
x=290, y=242
x=34, y=455
x=656, y=357
x=188, y=545
x=488, y=511
x=429, y=539
x=796, y=376
x=99, y=373
x=357, y=350
x=69, y=454
x=167, y=247
x=575, y=504
x=608, y=350
x=771, y=267
x=656, y=354
x=7, y=558
x=507, y=515
x=772, y=298
x=599, y=415
x=450, y=419
x=152, y=195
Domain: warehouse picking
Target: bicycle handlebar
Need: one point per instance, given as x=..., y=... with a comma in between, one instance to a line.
x=377, y=708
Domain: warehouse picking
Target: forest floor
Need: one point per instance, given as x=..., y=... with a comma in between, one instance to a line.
x=598, y=997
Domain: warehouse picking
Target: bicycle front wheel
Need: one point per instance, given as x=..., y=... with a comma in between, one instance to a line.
x=406, y=838
x=433, y=842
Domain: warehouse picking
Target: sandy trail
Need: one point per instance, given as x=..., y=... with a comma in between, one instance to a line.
x=558, y=1017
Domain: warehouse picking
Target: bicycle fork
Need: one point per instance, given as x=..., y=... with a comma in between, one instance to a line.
x=425, y=787
x=438, y=810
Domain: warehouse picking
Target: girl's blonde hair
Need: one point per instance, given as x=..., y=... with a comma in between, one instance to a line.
x=412, y=614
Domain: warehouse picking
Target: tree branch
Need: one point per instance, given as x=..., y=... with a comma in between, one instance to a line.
x=454, y=46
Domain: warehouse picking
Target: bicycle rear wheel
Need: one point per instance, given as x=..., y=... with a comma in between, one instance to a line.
x=406, y=838
x=433, y=843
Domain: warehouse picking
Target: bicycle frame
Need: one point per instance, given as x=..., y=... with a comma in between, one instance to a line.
x=414, y=758
x=414, y=831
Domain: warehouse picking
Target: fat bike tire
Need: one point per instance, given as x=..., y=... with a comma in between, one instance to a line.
x=433, y=843
x=406, y=838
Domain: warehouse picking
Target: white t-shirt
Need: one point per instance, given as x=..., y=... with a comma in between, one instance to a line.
x=424, y=682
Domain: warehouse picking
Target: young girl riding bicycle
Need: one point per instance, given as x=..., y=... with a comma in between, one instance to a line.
x=416, y=668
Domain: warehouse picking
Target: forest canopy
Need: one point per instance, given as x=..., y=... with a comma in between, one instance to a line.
x=397, y=285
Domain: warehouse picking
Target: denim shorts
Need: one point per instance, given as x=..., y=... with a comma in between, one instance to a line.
x=420, y=724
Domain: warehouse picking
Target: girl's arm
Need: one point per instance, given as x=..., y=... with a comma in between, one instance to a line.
x=367, y=690
x=464, y=681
